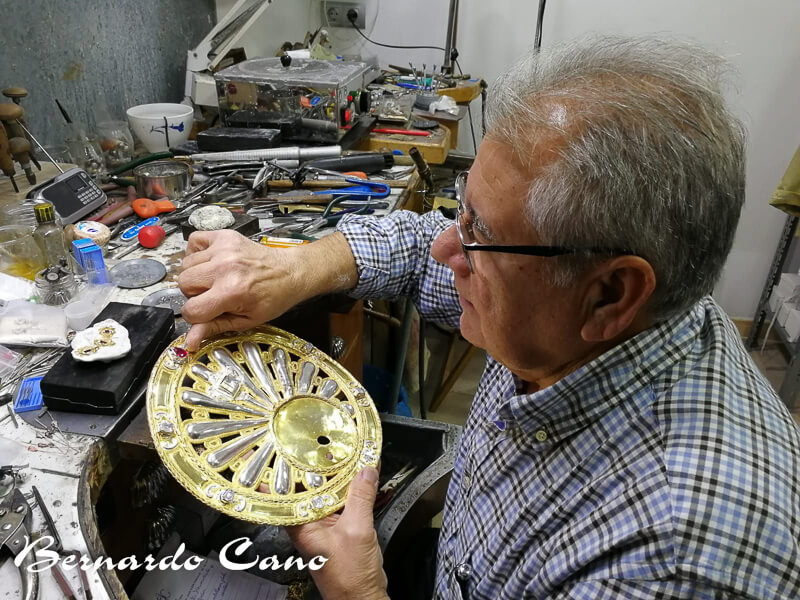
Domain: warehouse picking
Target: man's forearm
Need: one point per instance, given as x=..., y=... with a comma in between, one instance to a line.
x=327, y=266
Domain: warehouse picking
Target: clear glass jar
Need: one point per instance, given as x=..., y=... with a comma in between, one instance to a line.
x=116, y=141
x=88, y=155
x=55, y=286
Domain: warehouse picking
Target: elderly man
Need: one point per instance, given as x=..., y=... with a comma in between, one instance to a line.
x=621, y=443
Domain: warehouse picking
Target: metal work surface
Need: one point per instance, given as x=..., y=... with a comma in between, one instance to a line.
x=120, y=53
x=61, y=467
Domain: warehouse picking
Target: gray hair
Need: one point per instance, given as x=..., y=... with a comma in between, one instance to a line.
x=652, y=161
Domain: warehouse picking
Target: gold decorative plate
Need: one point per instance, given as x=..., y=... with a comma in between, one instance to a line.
x=261, y=425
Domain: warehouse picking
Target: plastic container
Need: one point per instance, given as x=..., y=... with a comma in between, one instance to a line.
x=161, y=126
x=80, y=314
x=8, y=361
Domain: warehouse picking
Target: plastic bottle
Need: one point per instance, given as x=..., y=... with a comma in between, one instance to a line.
x=49, y=235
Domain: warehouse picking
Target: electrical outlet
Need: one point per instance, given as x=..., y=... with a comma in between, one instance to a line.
x=336, y=14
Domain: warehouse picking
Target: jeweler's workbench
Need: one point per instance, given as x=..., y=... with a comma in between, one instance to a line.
x=70, y=457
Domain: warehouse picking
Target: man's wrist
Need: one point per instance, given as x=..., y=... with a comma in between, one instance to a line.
x=327, y=266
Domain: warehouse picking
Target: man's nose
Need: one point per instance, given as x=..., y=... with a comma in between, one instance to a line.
x=447, y=250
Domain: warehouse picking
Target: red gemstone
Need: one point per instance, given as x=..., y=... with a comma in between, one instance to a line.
x=180, y=352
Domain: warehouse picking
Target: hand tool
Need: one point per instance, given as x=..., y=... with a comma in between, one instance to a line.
x=136, y=245
x=293, y=197
x=402, y=70
x=327, y=219
x=423, y=168
x=146, y=208
x=140, y=161
x=58, y=547
x=17, y=94
x=114, y=213
x=330, y=183
x=371, y=162
x=151, y=236
x=392, y=131
x=6, y=162
x=13, y=417
x=51, y=525
x=290, y=153
x=363, y=187
x=20, y=149
x=15, y=529
x=10, y=115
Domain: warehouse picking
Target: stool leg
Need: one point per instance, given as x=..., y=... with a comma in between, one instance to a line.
x=405, y=333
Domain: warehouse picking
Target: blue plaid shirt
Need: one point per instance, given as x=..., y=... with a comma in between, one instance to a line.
x=666, y=468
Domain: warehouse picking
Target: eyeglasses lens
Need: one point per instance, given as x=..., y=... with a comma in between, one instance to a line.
x=463, y=230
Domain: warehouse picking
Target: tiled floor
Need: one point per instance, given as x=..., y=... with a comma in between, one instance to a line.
x=455, y=406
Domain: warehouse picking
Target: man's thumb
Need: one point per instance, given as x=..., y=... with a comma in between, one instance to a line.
x=361, y=496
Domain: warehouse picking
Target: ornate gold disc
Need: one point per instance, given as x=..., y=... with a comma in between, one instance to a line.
x=261, y=425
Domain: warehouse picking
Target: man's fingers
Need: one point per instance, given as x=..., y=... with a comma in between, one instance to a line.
x=197, y=333
x=199, y=240
x=361, y=500
x=196, y=280
x=207, y=306
x=196, y=258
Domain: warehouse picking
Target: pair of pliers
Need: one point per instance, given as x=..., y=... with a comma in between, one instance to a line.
x=364, y=188
x=15, y=524
x=326, y=218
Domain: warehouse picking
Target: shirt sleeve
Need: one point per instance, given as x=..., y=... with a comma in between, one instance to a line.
x=393, y=256
x=632, y=589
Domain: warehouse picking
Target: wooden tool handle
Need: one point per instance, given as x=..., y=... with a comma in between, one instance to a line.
x=6, y=162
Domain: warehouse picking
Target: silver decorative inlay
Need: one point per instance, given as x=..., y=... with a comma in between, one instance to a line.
x=328, y=388
x=281, y=366
x=307, y=372
x=230, y=450
x=252, y=472
x=252, y=354
x=203, y=429
x=282, y=476
x=194, y=398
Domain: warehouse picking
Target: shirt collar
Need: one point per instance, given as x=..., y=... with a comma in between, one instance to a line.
x=586, y=394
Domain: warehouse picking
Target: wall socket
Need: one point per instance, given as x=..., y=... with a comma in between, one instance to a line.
x=336, y=13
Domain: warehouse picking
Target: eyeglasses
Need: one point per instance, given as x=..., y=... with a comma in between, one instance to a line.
x=466, y=235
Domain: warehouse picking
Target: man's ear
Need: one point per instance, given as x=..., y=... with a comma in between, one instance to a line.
x=616, y=294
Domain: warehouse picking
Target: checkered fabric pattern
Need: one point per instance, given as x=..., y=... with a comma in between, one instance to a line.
x=666, y=468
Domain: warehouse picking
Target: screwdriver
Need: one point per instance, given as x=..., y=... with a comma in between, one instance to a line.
x=6, y=162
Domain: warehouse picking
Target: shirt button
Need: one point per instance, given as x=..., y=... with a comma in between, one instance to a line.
x=467, y=481
x=541, y=435
x=463, y=571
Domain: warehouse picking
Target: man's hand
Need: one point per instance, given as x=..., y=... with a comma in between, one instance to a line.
x=355, y=565
x=233, y=283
